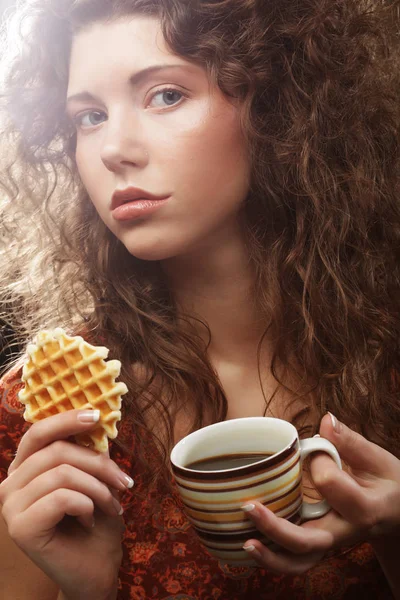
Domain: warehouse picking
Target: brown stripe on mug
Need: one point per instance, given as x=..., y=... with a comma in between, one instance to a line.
x=237, y=536
x=215, y=490
x=239, y=548
x=228, y=546
x=265, y=464
x=296, y=479
x=219, y=516
x=220, y=520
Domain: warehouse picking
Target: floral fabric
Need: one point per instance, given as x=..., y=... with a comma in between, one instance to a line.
x=164, y=560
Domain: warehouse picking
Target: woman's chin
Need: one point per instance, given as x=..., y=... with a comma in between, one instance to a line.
x=159, y=244
x=154, y=252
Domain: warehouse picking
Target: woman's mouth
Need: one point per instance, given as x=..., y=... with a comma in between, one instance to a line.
x=137, y=209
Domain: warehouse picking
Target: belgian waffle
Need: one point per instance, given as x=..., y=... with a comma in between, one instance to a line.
x=64, y=373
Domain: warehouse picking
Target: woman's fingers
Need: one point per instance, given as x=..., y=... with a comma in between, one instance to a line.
x=46, y=431
x=280, y=562
x=356, y=451
x=32, y=527
x=114, y=491
x=61, y=453
x=355, y=503
x=63, y=477
x=49, y=466
x=284, y=533
x=302, y=546
x=318, y=535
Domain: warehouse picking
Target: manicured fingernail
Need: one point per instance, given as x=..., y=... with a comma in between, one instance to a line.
x=247, y=507
x=89, y=416
x=335, y=423
x=127, y=481
x=118, y=507
x=252, y=550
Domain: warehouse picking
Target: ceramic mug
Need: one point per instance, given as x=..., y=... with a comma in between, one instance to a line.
x=213, y=498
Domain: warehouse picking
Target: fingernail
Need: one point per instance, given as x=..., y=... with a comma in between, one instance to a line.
x=316, y=435
x=252, y=550
x=335, y=423
x=247, y=507
x=127, y=481
x=118, y=507
x=89, y=416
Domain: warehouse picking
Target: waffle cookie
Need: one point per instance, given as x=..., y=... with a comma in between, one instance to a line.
x=64, y=373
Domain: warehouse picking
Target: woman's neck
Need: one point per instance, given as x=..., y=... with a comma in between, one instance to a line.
x=215, y=284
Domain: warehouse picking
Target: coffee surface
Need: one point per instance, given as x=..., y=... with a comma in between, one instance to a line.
x=227, y=461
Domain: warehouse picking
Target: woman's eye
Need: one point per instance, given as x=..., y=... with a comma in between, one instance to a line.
x=90, y=121
x=167, y=97
x=163, y=98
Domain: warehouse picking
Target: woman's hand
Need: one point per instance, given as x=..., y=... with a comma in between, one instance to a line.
x=365, y=503
x=53, y=480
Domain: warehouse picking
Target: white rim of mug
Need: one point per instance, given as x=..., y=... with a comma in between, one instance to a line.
x=233, y=469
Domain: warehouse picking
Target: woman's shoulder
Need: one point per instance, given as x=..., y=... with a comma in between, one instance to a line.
x=12, y=423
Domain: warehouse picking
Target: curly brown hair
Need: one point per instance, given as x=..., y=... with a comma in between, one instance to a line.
x=318, y=84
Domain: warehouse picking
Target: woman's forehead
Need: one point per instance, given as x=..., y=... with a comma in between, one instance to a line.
x=123, y=51
x=135, y=33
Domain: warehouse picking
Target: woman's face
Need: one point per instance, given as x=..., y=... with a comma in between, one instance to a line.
x=165, y=130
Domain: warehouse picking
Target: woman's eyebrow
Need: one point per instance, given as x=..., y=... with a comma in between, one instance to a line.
x=133, y=80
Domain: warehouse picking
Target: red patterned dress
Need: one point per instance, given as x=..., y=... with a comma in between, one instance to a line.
x=164, y=560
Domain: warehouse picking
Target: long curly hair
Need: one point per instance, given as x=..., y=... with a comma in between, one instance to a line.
x=318, y=84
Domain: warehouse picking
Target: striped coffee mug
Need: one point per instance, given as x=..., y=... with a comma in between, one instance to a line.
x=269, y=454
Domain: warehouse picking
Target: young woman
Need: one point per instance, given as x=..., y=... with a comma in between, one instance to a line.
x=210, y=189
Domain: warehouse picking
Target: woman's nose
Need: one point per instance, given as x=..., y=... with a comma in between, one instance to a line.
x=123, y=145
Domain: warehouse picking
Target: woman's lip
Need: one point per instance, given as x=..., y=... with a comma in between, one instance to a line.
x=137, y=209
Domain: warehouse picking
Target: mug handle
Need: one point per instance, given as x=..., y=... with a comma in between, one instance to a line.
x=310, y=510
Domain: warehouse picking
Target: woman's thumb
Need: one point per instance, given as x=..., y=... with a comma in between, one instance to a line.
x=354, y=449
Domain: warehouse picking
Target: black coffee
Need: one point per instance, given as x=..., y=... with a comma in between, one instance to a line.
x=227, y=461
